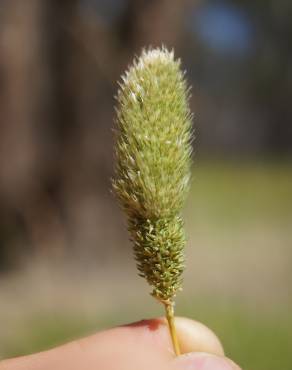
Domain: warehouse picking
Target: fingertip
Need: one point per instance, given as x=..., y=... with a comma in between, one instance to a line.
x=196, y=337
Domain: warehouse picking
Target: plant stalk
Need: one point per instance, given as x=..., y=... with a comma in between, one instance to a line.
x=169, y=310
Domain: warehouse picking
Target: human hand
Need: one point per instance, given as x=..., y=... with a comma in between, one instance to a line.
x=139, y=346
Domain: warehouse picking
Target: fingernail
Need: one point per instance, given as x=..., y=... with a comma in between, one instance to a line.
x=202, y=361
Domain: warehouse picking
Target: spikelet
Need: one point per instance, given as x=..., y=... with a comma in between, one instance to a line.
x=152, y=168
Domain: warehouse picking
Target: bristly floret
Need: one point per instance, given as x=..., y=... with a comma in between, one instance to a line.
x=153, y=151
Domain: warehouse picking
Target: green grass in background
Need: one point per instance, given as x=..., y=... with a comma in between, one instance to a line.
x=230, y=193
x=255, y=341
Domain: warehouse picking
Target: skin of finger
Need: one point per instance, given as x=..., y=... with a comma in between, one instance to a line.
x=120, y=348
x=143, y=343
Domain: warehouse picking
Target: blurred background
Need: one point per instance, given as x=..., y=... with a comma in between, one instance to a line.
x=66, y=266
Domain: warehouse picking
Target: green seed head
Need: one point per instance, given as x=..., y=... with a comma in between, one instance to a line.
x=153, y=151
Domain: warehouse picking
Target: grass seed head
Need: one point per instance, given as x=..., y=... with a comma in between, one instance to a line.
x=152, y=168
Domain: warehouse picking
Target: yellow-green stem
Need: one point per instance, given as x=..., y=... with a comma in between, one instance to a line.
x=170, y=319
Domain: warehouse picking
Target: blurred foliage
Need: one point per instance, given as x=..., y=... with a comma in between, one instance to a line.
x=252, y=193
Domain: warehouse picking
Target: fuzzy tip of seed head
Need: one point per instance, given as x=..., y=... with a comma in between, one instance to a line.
x=161, y=55
x=147, y=58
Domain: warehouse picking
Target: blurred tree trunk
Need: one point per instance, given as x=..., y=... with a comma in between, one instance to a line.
x=22, y=73
x=148, y=23
x=153, y=22
x=24, y=70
